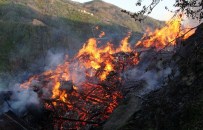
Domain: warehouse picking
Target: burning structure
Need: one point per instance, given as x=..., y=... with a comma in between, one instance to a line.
x=82, y=92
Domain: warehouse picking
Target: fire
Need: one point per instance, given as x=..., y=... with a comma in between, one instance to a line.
x=189, y=32
x=102, y=34
x=96, y=58
x=56, y=91
x=86, y=86
x=165, y=36
x=124, y=46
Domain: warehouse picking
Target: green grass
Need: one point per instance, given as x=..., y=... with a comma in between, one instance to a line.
x=21, y=42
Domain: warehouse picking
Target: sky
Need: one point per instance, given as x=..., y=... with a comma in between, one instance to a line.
x=159, y=11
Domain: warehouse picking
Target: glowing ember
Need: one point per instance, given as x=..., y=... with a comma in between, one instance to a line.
x=86, y=88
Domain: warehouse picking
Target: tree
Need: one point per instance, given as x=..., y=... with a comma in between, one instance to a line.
x=190, y=8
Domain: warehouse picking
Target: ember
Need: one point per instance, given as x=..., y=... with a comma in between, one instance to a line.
x=83, y=91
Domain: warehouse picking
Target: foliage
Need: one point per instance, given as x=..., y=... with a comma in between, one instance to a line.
x=191, y=8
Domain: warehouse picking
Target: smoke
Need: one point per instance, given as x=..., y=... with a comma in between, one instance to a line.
x=18, y=100
x=150, y=74
x=78, y=74
x=152, y=79
x=53, y=59
x=22, y=99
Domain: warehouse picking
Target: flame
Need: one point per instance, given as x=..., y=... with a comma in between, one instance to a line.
x=189, y=31
x=56, y=91
x=102, y=34
x=85, y=74
x=124, y=46
x=165, y=36
x=97, y=58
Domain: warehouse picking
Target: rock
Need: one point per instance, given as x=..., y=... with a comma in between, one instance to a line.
x=123, y=113
x=37, y=22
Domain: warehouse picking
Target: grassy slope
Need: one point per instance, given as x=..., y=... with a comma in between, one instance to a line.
x=21, y=42
x=113, y=14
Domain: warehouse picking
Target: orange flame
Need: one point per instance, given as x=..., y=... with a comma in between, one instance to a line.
x=97, y=63
x=165, y=36
x=124, y=46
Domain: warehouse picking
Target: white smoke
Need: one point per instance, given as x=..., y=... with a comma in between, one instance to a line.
x=153, y=79
x=53, y=59
x=19, y=100
x=150, y=74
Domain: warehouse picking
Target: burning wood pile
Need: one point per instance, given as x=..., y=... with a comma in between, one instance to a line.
x=89, y=101
x=82, y=92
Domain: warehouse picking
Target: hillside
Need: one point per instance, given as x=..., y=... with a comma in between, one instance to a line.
x=31, y=28
x=112, y=15
x=153, y=85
